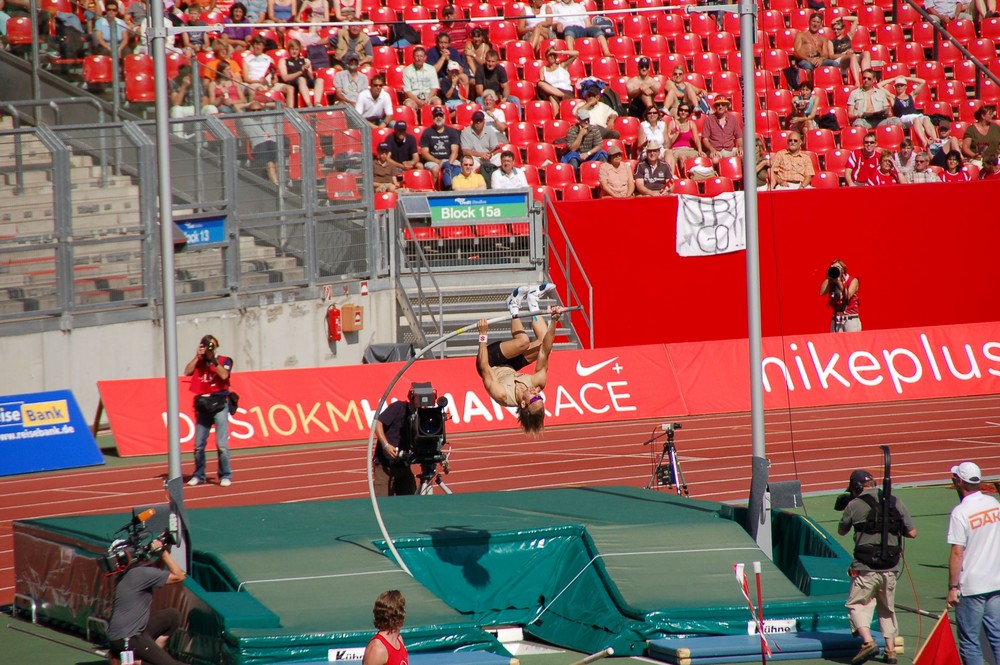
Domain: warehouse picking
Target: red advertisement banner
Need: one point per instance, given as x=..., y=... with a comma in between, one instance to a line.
x=283, y=407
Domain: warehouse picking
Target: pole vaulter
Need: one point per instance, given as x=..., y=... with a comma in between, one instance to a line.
x=385, y=396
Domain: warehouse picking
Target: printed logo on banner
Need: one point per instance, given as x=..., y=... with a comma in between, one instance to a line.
x=44, y=431
x=710, y=226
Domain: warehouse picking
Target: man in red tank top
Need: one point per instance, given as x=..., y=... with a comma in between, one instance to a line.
x=841, y=289
x=386, y=647
x=210, y=375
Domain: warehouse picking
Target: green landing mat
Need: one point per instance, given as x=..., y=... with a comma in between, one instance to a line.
x=584, y=569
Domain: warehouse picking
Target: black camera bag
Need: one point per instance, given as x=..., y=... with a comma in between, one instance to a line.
x=209, y=405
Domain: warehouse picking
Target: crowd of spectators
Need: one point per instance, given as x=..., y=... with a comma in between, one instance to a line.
x=558, y=83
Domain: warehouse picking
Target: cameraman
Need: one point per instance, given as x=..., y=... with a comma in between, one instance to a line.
x=842, y=291
x=873, y=578
x=132, y=628
x=391, y=464
x=210, y=383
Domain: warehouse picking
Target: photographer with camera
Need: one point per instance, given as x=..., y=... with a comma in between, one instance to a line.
x=391, y=463
x=133, y=632
x=210, y=375
x=878, y=548
x=841, y=289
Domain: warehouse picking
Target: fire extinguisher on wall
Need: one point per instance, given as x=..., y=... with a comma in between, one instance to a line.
x=334, y=327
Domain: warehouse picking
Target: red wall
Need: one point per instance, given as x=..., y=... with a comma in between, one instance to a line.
x=924, y=255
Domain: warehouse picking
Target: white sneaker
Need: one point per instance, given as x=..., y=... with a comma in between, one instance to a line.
x=515, y=299
x=194, y=481
x=536, y=293
x=225, y=482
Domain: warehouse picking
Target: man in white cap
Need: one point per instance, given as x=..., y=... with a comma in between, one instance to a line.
x=653, y=177
x=974, y=565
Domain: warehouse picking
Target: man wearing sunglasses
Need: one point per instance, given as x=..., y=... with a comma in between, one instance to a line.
x=499, y=364
x=869, y=106
x=862, y=163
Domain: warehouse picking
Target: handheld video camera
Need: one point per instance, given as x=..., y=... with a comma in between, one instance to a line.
x=136, y=545
x=427, y=424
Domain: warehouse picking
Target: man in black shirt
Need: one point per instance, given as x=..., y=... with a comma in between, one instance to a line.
x=653, y=177
x=391, y=467
x=439, y=148
x=403, y=151
x=491, y=76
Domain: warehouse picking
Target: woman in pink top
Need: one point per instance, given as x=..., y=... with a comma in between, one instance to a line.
x=387, y=647
x=685, y=141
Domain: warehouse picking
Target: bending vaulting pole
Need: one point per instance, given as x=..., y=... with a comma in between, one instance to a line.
x=381, y=403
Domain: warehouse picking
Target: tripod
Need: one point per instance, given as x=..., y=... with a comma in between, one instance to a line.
x=430, y=476
x=670, y=473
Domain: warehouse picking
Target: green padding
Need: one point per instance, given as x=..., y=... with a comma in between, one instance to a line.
x=583, y=568
x=744, y=648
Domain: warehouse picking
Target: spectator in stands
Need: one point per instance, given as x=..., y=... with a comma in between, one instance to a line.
x=653, y=177
x=985, y=9
x=991, y=167
x=476, y=50
x=922, y=172
x=345, y=10
x=571, y=22
x=136, y=13
x=403, y=150
x=296, y=71
x=22, y=8
x=843, y=51
x=869, y=105
x=943, y=144
x=981, y=136
x=459, y=33
x=641, y=89
x=905, y=160
x=615, y=176
x=662, y=129
x=584, y=142
x=349, y=82
x=953, y=171
x=862, y=162
x=481, y=144
x=496, y=119
x=791, y=168
x=508, y=176
x=236, y=33
x=210, y=374
x=491, y=76
x=811, y=48
x=555, y=84
x=258, y=72
x=385, y=174
x=223, y=53
x=307, y=35
x=904, y=106
x=805, y=104
x=943, y=11
x=262, y=133
x=386, y=647
x=885, y=174
x=225, y=92
x=256, y=13
x=182, y=101
x=841, y=289
x=282, y=11
x=420, y=82
x=763, y=165
x=375, y=104
x=354, y=40
x=468, y=178
x=535, y=22
x=602, y=115
x=721, y=135
x=439, y=146
x=686, y=142
x=4, y=17
x=443, y=54
x=103, y=29
x=195, y=41
x=454, y=92
x=678, y=90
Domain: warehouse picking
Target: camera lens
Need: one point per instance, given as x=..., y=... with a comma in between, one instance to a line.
x=833, y=272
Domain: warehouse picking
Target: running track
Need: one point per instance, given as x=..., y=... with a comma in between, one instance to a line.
x=818, y=446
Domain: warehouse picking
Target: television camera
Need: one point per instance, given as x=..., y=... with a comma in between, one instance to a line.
x=427, y=434
x=135, y=545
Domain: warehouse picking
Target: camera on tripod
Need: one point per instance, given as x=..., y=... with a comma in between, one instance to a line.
x=136, y=546
x=427, y=425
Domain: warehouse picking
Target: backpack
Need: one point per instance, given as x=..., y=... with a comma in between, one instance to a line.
x=871, y=554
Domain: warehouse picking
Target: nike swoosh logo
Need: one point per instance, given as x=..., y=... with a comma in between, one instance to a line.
x=587, y=371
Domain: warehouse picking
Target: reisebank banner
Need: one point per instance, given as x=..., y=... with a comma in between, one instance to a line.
x=284, y=407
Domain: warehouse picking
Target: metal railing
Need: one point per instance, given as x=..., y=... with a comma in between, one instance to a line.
x=570, y=269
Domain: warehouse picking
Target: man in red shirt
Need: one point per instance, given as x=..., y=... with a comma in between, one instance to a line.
x=862, y=163
x=210, y=375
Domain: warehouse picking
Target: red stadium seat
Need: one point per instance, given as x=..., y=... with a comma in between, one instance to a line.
x=670, y=25
x=836, y=161
x=767, y=122
x=559, y=176
x=418, y=180
x=731, y=167
x=577, y=192
x=541, y=154
x=628, y=127
x=533, y=70
x=554, y=130
x=827, y=77
x=963, y=30
x=655, y=46
x=636, y=26
x=97, y=69
x=605, y=69
x=702, y=24
x=502, y=33
x=983, y=50
x=910, y=54
x=522, y=134
x=342, y=187
x=589, y=49
x=820, y=141
x=538, y=193
x=531, y=175
x=852, y=138
x=723, y=43
x=688, y=46
x=463, y=113
x=825, y=180
x=707, y=64
x=779, y=101
x=523, y=90
x=520, y=53
x=779, y=141
x=139, y=88
x=538, y=113
x=686, y=186
x=716, y=186
x=136, y=63
x=590, y=174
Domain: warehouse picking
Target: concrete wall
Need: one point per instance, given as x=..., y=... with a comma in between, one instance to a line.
x=277, y=336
